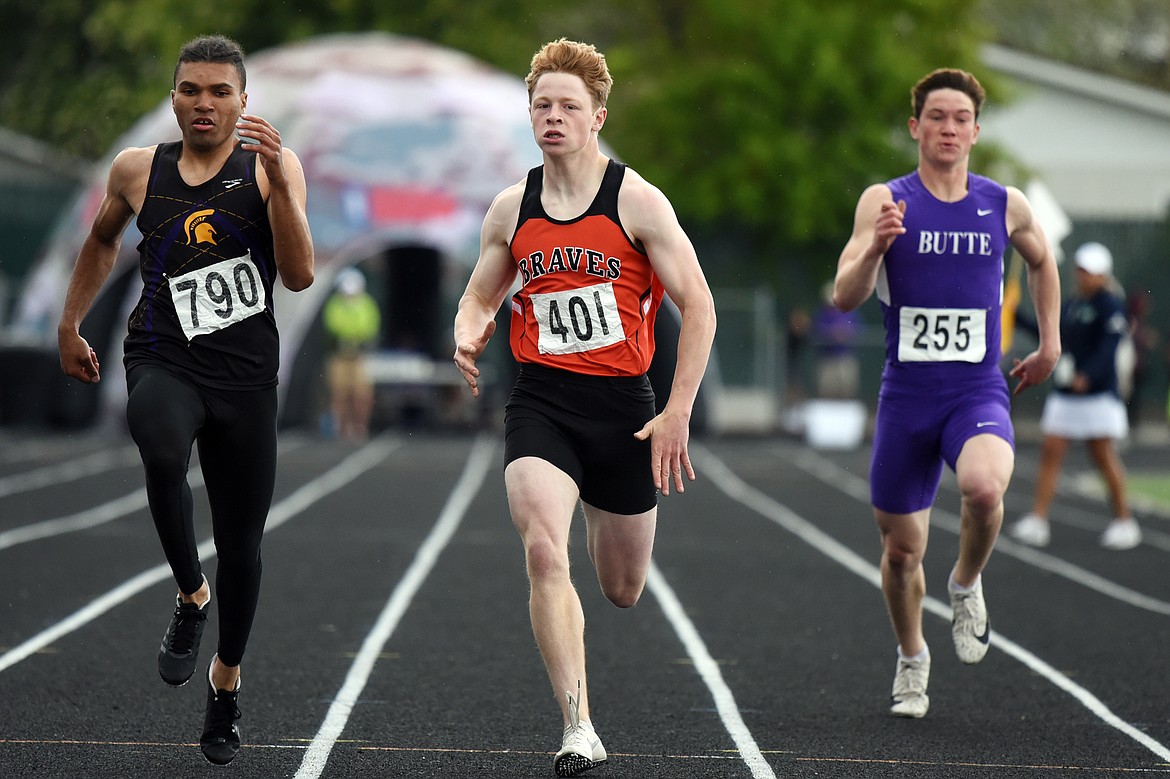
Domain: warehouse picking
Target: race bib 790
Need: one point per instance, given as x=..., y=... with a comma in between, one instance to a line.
x=942, y=334
x=577, y=320
x=217, y=296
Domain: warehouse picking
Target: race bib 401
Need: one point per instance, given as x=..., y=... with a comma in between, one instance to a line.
x=217, y=296
x=942, y=334
x=577, y=320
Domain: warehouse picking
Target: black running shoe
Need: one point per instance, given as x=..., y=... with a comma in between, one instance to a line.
x=179, y=651
x=221, y=735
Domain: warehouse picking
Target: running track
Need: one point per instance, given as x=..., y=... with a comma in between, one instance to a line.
x=393, y=637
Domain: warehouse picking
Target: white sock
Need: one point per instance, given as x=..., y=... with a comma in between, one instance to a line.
x=959, y=589
x=204, y=603
x=925, y=653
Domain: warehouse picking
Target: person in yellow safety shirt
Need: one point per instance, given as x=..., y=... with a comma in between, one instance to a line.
x=352, y=321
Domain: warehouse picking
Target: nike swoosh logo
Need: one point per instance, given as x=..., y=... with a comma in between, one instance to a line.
x=987, y=424
x=983, y=211
x=985, y=638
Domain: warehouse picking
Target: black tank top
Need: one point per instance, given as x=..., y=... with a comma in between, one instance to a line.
x=207, y=266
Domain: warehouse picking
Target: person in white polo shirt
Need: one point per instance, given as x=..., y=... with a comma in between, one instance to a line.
x=1084, y=404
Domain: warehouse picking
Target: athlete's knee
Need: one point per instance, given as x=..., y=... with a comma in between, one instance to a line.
x=902, y=554
x=622, y=579
x=902, y=560
x=625, y=593
x=164, y=446
x=544, y=557
x=164, y=464
x=239, y=560
x=983, y=493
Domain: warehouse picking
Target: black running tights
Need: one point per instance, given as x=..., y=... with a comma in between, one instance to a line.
x=236, y=434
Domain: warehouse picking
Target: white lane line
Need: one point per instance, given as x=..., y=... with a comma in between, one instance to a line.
x=709, y=672
x=96, y=515
x=332, y=480
x=336, y=718
x=839, y=478
x=739, y=490
x=82, y=520
x=72, y=470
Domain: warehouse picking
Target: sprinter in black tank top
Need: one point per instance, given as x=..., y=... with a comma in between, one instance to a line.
x=221, y=218
x=207, y=271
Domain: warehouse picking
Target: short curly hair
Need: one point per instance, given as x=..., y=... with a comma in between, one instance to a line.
x=947, y=78
x=213, y=48
x=578, y=59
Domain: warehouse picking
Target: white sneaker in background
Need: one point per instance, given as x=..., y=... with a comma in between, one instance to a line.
x=1122, y=533
x=1032, y=530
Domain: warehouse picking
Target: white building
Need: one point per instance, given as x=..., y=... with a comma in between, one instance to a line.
x=1101, y=145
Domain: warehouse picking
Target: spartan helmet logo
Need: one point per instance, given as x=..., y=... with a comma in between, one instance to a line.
x=199, y=228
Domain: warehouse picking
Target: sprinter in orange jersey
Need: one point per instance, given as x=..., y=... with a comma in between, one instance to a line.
x=594, y=247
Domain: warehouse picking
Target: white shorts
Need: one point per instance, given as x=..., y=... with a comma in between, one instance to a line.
x=1084, y=417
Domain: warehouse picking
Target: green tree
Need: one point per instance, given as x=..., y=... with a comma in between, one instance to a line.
x=768, y=118
x=1128, y=39
x=778, y=120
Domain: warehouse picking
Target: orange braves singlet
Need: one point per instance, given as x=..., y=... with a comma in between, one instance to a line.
x=588, y=295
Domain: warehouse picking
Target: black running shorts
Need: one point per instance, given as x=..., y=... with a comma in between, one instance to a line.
x=584, y=425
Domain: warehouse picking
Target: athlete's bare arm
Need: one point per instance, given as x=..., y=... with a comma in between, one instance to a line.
x=125, y=193
x=877, y=221
x=650, y=219
x=1027, y=237
x=494, y=274
x=282, y=183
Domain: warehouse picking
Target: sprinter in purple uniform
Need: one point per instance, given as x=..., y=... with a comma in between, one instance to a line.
x=931, y=244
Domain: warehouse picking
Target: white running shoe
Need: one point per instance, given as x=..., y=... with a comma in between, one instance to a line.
x=581, y=749
x=970, y=627
x=1122, y=533
x=1032, y=530
x=909, y=694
